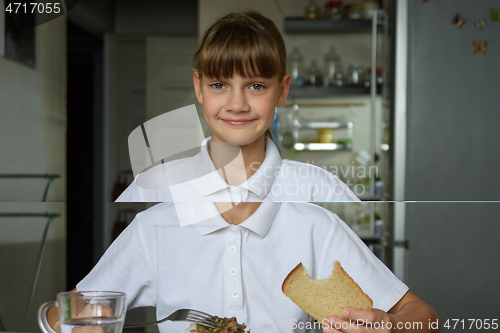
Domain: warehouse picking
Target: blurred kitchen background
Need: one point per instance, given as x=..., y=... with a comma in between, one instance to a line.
x=396, y=97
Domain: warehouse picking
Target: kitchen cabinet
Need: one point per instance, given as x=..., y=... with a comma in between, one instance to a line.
x=298, y=95
x=302, y=25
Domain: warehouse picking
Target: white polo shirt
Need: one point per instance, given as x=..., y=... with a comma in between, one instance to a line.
x=195, y=179
x=236, y=270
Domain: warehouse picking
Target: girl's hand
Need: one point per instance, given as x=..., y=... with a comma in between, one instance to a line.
x=93, y=311
x=374, y=320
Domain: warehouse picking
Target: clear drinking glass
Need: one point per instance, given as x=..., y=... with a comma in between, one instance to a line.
x=86, y=311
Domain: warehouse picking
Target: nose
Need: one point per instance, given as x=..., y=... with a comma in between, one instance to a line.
x=237, y=102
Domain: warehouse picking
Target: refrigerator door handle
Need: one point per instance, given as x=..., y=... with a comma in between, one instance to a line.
x=392, y=243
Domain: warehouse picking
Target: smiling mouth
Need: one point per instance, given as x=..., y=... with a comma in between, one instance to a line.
x=237, y=122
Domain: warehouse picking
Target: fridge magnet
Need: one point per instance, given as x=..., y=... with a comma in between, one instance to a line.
x=480, y=25
x=458, y=20
x=480, y=47
x=495, y=16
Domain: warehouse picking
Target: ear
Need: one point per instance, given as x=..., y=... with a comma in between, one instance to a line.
x=283, y=90
x=197, y=86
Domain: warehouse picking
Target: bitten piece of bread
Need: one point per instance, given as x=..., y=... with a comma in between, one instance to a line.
x=323, y=298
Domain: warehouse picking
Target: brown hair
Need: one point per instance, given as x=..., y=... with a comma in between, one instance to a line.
x=247, y=43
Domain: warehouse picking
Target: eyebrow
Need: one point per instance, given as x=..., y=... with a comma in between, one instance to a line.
x=253, y=77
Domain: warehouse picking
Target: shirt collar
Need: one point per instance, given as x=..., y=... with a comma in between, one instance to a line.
x=259, y=183
x=212, y=224
x=259, y=222
x=211, y=182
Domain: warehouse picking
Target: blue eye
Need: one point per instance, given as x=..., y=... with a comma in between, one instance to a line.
x=256, y=86
x=218, y=85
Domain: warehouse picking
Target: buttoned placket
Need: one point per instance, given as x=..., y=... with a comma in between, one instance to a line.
x=232, y=275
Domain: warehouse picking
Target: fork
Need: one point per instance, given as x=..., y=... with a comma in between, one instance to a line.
x=194, y=316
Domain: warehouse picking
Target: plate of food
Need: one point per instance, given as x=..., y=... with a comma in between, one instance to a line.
x=226, y=325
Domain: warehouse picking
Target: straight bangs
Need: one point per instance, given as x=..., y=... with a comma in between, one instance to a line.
x=241, y=46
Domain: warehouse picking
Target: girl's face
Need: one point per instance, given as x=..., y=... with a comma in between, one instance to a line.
x=240, y=109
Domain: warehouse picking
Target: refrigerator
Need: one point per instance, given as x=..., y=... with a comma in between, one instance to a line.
x=444, y=158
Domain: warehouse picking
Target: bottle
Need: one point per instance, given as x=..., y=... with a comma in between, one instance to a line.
x=368, y=77
x=380, y=77
x=370, y=7
x=313, y=74
x=333, y=10
x=332, y=61
x=354, y=11
x=339, y=77
x=312, y=11
x=355, y=76
x=296, y=68
x=325, y=135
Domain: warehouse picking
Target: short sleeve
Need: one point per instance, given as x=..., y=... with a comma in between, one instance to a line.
x=371, y=274
x=133, y=193
x=149, y=186
x=126, y=266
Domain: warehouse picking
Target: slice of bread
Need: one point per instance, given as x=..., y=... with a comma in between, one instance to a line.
x=323, y=298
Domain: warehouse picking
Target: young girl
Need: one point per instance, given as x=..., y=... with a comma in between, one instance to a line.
x=240, y=78
x=234, y=263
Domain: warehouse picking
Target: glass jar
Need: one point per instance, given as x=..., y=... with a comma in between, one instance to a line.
x=313, y=11
x=354, y=11
x=371, y=7
x=325, y=135
x=378, y=77
x=355, y=74
x=313, y=76
x=367, y=78
x=338, y=78
x=326, y=81
x=332, y=62
x=333, y=10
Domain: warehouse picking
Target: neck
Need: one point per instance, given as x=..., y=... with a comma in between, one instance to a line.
x=237, y=163
x=235, y=213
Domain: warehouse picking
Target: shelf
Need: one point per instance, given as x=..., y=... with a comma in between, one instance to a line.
x=323, y=124
x=323, y=105
x=312, y=91
x=322, y=146
x=301, y=25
